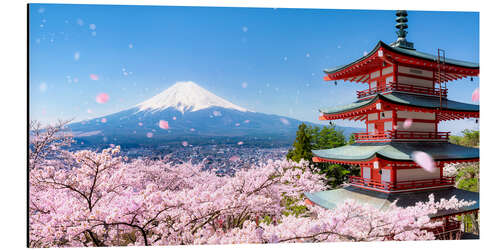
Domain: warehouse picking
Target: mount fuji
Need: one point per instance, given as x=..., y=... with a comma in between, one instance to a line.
x=187, y=112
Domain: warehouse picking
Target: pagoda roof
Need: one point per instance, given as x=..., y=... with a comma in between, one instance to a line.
x=331, y=198
x=357, y=70
x=397, y=151
x=421, y=101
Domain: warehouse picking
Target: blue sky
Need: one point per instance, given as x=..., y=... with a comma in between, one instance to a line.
x=278, y=54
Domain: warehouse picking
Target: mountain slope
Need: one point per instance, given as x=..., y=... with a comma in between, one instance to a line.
x=193, y=114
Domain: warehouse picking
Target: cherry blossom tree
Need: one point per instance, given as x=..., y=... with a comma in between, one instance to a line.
x=89, y=198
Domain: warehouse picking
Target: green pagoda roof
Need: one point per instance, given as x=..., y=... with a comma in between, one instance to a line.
x=405, y=99
x=399, y=151
x=331, y=198
x=408, y=52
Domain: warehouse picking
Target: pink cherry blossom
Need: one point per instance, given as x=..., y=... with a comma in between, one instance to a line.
x=149, y=134
x=185, y=143
x=407, y=123
x=102, y=98
x=94, y=77
x=83, y=195
x=104, y=120
x=240, y=143
x=475, y=95
x=424, y=160
x=234, y=158
x=174, y=118
x=163, y=124
x=140, y=123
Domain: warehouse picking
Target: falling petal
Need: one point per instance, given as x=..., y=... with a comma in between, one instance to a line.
x=149, y=134
x=94, y=77
x=185, y=143
x=163, y=124
x=408, y=122
x=284, y=121
x=112, y=145
x=174, y=118
x=475, y=95
x=234, y=158
x=244, y=85
x=104, y=120
x=395, y=127
x=240, y=143
x=77, y=56
x=140, y=123
x=424, y=160
x=192, y=129
x=217, y=113
x=130, y=46
x=43, y=86
x=92, y=26
x=102, y=98
x=237, y=124
x=247, y=121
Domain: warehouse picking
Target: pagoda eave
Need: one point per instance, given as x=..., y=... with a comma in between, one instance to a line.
x=384, y=54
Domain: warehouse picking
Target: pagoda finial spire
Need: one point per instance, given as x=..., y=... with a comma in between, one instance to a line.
x=401, y=25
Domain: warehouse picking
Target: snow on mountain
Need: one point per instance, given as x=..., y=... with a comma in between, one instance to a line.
x=186, y=96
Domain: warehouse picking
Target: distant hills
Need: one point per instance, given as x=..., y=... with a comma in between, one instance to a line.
x=188, y=113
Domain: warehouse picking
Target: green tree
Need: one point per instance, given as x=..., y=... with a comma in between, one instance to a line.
x=313, y=138
x=301, y=146
x=470, y=138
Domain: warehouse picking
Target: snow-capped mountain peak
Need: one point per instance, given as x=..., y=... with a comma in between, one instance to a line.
x=186, y=96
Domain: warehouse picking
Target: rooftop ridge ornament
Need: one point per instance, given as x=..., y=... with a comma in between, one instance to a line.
x=401, y=25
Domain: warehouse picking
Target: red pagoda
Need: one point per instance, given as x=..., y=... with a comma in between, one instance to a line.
x=403, y=84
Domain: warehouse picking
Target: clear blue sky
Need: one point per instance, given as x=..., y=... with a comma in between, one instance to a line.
x=138, y=51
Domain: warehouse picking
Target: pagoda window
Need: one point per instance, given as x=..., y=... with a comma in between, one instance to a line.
x=387, y=70
x=416, y=174
x=372, y=116
x=415, y=71
x=386, y=175
x=416, y=115
x=428, y=83
x=367, y=173
x=386, y=114
x=388, y=125
x=375, y=74
x=371, y=127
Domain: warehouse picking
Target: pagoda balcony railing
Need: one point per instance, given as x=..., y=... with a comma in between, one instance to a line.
x=394, y=86
x=401, y=185
x=401, y=135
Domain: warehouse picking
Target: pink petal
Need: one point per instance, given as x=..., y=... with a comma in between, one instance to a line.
x=237, y=124
x=407, y=123
x=475, y=95
x=424, y=160
x=94, y=77
x=140, y=123
x=234, y=158
x=247, y=121
x=163, y=124
x=104, y=120
x=185, y=143
x=102, y=98
x=240, y=143
x=284, y=121
x=174, y=118
x=192, y=129
x=149, y=134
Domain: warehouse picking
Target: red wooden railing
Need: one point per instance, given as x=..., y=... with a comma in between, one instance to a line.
x=401, y=185
x=394, y=86
x=401, y=135
x=451, y=229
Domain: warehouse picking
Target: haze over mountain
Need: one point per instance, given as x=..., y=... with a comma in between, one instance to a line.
x=188, y=113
